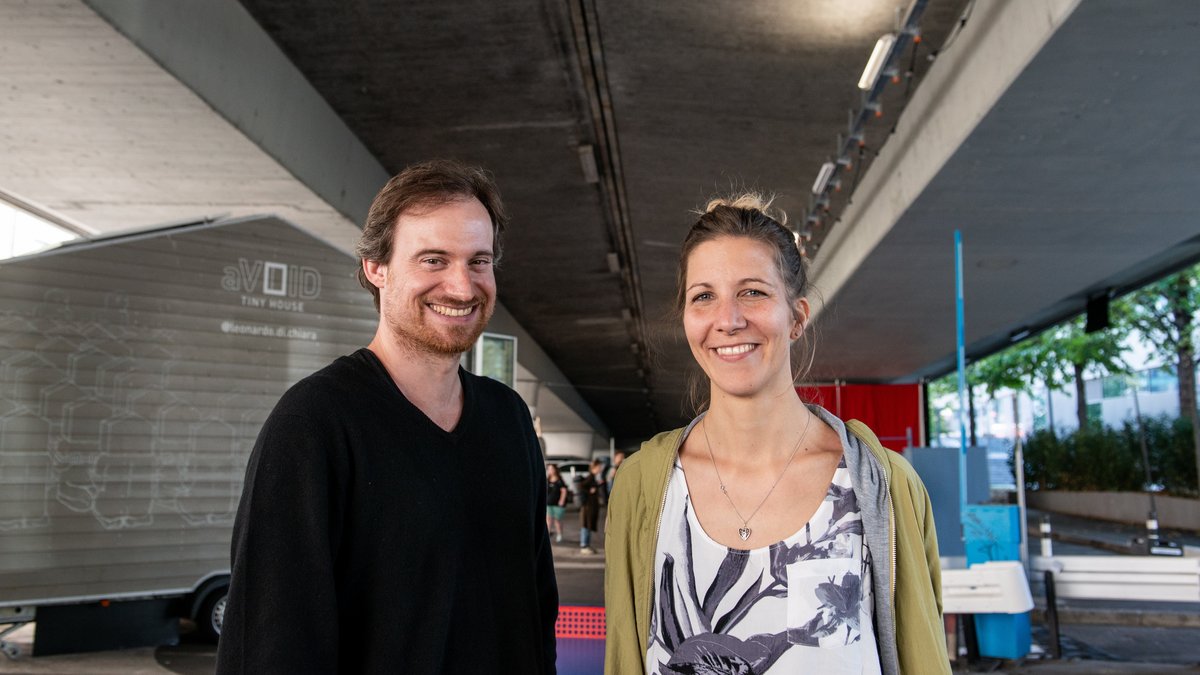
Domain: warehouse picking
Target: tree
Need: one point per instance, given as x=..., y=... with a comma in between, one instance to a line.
x=946, y=385
x=1061, y=354
x=1021, y=366
x=1164, y=312
x=1097, y=354
x=1007, y=369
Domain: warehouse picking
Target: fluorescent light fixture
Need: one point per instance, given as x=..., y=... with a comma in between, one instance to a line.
x=879, y=55
x=587, y=162
x=613, y=261
x=823, y=177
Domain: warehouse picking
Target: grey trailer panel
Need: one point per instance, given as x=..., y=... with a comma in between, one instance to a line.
x=135, y=374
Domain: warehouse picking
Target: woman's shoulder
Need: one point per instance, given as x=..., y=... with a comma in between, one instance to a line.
x=651, y=455
x=656, y=448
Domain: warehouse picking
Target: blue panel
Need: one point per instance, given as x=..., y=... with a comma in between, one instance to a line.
x=580, y=656
x=938, y=469
x=993, y=532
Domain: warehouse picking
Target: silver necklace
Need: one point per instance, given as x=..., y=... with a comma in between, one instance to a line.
x=744, y=530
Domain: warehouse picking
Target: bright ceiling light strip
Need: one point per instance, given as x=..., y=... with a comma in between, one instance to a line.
x=879, y=56
x=823, y=177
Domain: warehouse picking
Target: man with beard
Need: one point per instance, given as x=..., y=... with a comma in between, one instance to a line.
x=393, y=518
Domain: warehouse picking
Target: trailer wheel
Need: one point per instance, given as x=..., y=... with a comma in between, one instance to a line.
x=211, y=614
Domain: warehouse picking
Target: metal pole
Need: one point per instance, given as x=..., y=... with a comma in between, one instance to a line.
x=962, y=375
x=1152, y=518
x=1019, y=464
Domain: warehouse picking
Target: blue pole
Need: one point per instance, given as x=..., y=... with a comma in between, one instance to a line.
x=962, y=375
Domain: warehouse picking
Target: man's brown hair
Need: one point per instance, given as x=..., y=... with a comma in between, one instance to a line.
x=425, y=186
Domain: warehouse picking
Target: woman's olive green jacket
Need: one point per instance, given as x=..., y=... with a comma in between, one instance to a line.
x=897, y=519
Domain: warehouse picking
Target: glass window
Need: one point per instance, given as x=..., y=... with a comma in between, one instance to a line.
x=1161, y=379
x=496, y=357
x=1114, y=386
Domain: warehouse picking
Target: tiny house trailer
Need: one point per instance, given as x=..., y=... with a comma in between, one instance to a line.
x=135, y=373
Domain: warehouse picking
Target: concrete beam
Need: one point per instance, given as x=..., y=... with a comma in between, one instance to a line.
x=218, y=50
x=540, y=365
x=993, y=48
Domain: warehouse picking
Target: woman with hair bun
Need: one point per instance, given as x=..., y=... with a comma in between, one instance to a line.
x=767, y=536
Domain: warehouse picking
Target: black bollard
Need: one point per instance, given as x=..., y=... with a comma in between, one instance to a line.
x=1052, y=614
x=971, y=639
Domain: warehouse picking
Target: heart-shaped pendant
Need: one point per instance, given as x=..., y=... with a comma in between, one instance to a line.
x=744, y=533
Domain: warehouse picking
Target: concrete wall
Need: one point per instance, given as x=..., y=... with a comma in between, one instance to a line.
x=570, y=444
x=1121, y=507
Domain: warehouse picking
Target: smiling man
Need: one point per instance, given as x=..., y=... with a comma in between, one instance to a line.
x=393, y=518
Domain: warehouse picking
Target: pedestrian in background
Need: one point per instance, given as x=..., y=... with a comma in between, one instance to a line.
x=556, y=501
x=592, y=489
x=611, y=474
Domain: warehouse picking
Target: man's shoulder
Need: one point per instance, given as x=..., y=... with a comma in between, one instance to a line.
x=486, y=385
x=492, y=393
x=331, y=387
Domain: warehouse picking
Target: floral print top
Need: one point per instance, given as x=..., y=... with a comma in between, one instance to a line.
x=801, y=605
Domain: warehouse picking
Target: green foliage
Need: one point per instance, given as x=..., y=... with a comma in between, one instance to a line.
x=1107, y=459
x=1048, y=359
x=1163, y=313
x=946, y=384
x=1098, y=353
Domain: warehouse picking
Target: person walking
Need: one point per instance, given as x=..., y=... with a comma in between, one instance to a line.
x=592, y=489
x=556, y=501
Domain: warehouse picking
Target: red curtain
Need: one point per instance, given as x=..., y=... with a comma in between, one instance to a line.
x=893, y=411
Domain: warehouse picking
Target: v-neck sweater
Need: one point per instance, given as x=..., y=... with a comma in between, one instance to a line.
x=368, y=539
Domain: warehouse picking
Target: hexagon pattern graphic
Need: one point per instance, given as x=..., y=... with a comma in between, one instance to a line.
x=134, y=389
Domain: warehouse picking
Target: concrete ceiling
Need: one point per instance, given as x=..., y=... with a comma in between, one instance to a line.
x=1055, y=136
x=673, y=103
x=1079, y=181
x=97, y=133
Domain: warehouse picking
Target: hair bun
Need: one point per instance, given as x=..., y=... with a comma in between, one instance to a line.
x=749, y=200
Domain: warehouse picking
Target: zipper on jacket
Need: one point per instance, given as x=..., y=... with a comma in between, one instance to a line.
x=891, y=536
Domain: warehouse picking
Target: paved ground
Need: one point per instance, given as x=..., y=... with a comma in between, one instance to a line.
x=1125, y=647
x=1074, y=535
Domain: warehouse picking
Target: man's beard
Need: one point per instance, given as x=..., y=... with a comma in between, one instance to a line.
x=446, y=340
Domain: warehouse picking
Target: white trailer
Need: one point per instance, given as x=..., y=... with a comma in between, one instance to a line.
x=135, y=372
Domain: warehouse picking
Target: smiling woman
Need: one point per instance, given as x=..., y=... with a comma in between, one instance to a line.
x=716, y=303
x=787, y=540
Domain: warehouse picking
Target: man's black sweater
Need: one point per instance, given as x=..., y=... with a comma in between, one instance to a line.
x=370, y=540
